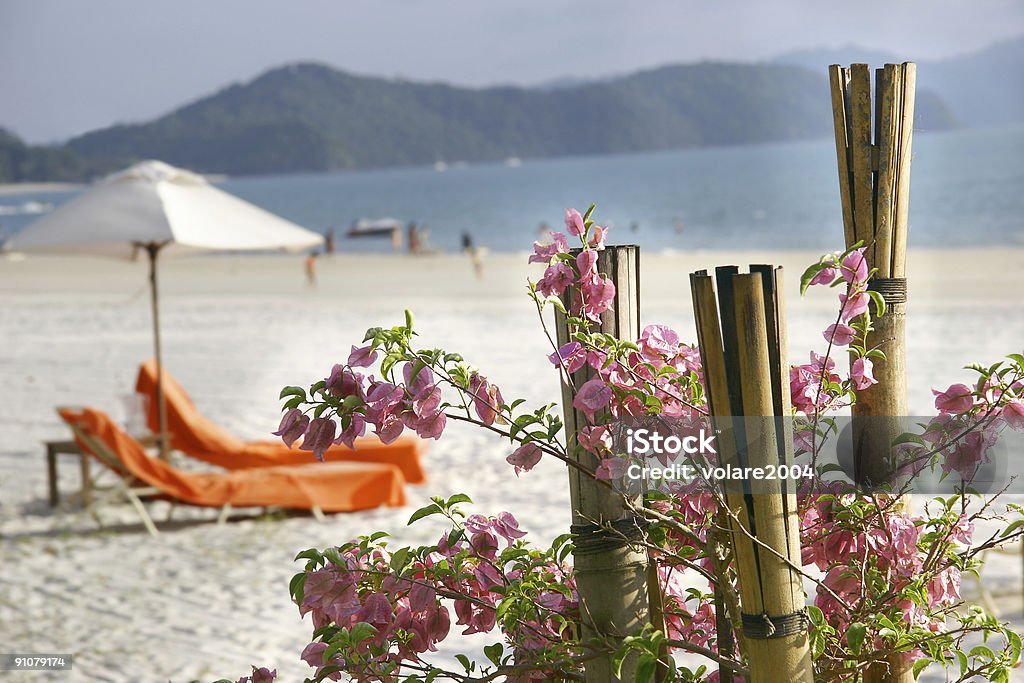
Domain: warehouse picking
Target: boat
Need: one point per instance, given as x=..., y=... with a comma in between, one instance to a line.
x=378, y=227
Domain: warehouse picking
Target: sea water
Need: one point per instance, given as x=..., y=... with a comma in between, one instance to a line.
x=967, y=189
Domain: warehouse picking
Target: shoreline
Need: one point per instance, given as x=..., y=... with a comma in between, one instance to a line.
x=11, y=189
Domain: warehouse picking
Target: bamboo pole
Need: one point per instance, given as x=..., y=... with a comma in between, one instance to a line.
x=612, y=576
x=742, y=337
x=882, y=226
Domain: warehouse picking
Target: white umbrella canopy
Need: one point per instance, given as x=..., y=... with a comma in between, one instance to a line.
x=156, y=203
x=159, y=209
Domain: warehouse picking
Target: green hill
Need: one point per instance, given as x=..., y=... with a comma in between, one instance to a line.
x=20, y=163
x=309, y=117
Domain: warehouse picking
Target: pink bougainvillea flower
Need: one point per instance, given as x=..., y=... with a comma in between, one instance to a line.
x=293, y=425
x=389, y=429
x=319, y=436
x=525, y=458
x=362, y=357
x=376, y=610
x=597, y=297
x=825, y=276
x=343, y=382
x=572, y=356
x=593, y=396
x=586, y=265
x=556, y=279
x=963, y=530
x=658, y=340
x=595, y=439
x=507, y=526
x=574, y=223
x=313, y=654
x=860, y=374
x=598, y=234
x=259, y=675
x=611, y=468
x=477, y=524
x=487, y=399
x=356, y=428
x=854, y=268
x=966, y=455
x=424, y=378
x=854, y=305
x=944, y=588
x=839, y=334
x=955, y=400
x=432, y=426
x=484, y=544
x=543, y=253
x=1013, y=414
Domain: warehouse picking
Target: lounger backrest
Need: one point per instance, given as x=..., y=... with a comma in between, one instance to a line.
x=190, y=430
x=97, y=434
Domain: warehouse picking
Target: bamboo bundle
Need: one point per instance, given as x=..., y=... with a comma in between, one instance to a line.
x=612, y=575
x=874, y=184
x=743, y=350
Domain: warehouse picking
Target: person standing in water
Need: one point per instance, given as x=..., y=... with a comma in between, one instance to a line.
x=473, y=253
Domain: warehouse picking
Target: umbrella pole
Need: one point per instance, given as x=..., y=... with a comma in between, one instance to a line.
x=153, y=249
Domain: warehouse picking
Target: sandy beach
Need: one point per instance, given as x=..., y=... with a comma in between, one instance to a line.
x=203, y=601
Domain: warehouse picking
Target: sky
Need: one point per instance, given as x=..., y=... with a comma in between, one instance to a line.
x=69, y=66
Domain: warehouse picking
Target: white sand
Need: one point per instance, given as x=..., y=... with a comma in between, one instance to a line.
x=203, y=601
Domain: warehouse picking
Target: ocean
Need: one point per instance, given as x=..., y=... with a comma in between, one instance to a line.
x=967, y=189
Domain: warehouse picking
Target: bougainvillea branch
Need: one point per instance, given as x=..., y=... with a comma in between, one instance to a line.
x=884, y=581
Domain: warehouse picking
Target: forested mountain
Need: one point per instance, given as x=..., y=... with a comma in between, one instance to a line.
x=309, y=117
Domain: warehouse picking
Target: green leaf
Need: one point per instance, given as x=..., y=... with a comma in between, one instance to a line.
x=296, y=587
x=879, y=301
x=425, y=511
x=919, y=666
x=816, y=616
x=398, y=560
x=293, y=402
x=493, y=653
x=458, y=498
x=645, y=669
x=855, y=636
x=464, y=661
x=1014, y=639
x=293, y=391
x=805, y=279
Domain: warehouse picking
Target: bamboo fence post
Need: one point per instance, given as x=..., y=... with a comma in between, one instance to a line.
x=881, y=224
x=742, y=345
x=612, y=576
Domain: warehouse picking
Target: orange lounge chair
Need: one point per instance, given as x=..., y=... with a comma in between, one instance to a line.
x=194, y=434
x=323, y=487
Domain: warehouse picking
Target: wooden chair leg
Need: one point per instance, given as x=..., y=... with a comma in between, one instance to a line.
x=147, y=521
x=225, y=512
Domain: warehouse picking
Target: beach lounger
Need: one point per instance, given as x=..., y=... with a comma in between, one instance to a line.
x=194, y=434
x=324, y=487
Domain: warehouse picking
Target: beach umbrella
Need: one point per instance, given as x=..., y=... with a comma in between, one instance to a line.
x=155, y=209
